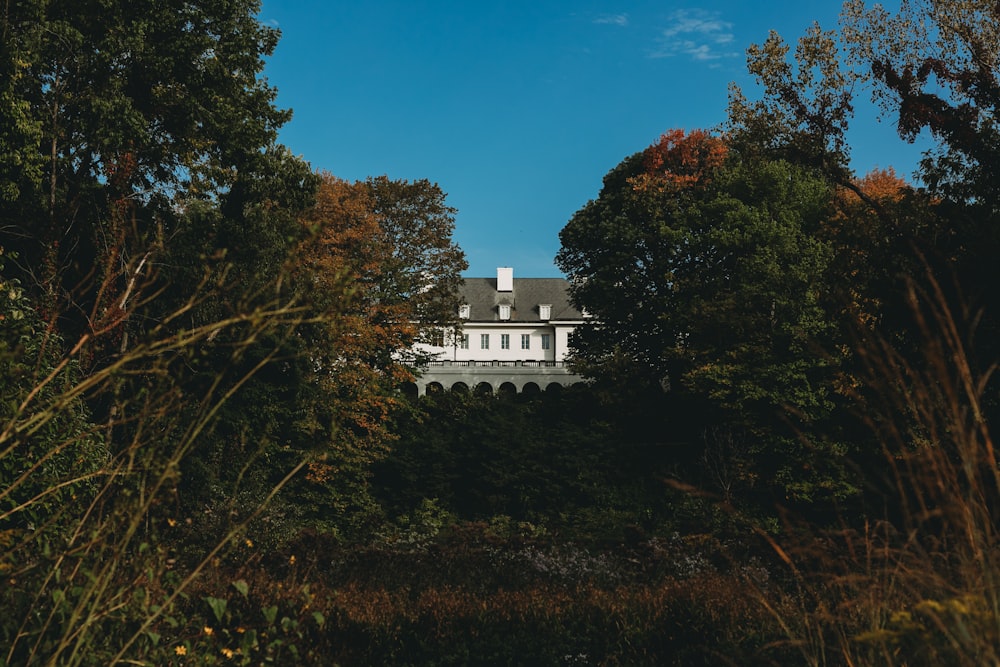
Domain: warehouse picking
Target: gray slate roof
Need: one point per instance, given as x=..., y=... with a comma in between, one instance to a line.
x=482, y=296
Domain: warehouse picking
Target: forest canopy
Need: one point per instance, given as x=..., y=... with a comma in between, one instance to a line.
x=782, y=451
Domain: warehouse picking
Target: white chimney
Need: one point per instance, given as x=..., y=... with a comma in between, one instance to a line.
x=505, y=279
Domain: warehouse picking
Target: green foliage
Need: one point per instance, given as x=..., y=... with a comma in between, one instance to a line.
x=51, y=452
x=120, y=116
x=109, y=78
x=155, y=215
x=915, y=583
x=423, y=266
x=718, y=289
x=569, y=462
x=80, y=574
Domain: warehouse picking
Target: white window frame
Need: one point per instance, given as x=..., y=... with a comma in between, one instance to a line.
x=546, y=341
x=484, y=341
x=464, y=311
x=463, y=341
x=545, y=311
x=504, y=311
x=525, y=341
x=504, y=341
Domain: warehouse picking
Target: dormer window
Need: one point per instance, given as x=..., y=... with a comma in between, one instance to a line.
x=464, y=311
x=504, y=311
x=545, y=311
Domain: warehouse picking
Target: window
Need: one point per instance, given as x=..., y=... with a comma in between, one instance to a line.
x=504, y=312
x=545, y=311
x=463, y=341
x=546, y=341
x=525, y=341
x=484, y=341
x=437, y=338
x=504, y=341
x=464, y=311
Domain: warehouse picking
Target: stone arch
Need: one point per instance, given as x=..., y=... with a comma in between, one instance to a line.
x=484, y=389
x=531, y=388
x=460, y=388
x=435, y=388
x=507, y=389
x=553, y=387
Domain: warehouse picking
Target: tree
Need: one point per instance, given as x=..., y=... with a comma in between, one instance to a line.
x=640, y=257
x=933, y=67
x=116, y=114
x=380, y=267
x=423, y=267
x=147, y=196
x=874, y=248
x=716, y=282
x=393, y=241
x=805, y=110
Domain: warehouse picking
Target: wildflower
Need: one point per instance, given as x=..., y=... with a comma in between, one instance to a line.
x=228, y=652
x=180, y=650
x=171, y=522
x=291, y=559
x=207, y=630
x=240, y=630
x=249, y=543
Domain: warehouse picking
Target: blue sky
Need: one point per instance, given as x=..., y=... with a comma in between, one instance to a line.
x=518, y=109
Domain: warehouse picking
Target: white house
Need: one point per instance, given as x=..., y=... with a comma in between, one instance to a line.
x=514, y=331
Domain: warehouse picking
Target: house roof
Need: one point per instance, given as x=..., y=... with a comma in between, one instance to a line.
x=529, y=293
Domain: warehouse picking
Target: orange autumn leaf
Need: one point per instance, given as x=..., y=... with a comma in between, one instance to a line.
x=678, y=160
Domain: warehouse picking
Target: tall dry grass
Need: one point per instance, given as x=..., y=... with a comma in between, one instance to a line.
x=89, y=574
x=918, y=582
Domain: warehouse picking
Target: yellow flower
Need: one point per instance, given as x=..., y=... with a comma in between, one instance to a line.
x=240, y=630
x=207, y=630
x=171, y=522
x=180, y=650
x=291, y=559
x=249, y=542
x=228, y=652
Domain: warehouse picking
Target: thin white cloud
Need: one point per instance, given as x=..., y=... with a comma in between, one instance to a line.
x=613, y=19
x=696, y=33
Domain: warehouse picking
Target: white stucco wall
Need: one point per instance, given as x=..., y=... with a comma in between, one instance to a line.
x=562, y=332
x=558, y=342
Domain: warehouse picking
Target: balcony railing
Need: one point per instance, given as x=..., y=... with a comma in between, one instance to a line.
x=496, y=363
